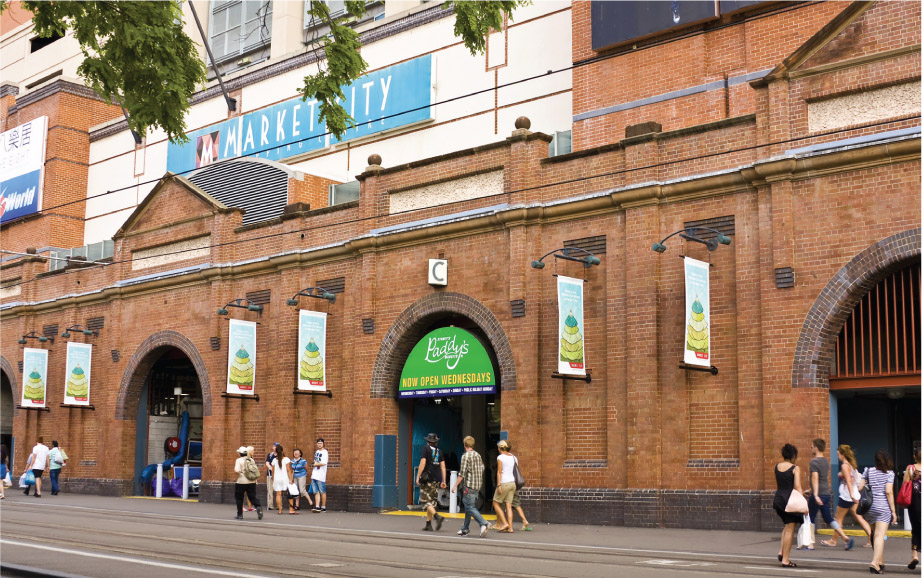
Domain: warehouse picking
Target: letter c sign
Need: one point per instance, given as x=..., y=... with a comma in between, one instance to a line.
x=438, y=272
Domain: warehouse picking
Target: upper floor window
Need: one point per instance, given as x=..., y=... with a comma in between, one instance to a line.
x=239, y=26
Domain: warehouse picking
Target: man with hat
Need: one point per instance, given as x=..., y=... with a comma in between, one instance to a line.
x=244, y=484
x=430, y=477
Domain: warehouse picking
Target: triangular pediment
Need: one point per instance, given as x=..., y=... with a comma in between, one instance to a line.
x=174, y=199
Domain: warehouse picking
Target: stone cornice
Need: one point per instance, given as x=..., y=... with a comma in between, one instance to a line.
x=53, y=88
x=7, y=89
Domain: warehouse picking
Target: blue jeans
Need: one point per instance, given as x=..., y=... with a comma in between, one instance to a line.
x=54, y=480
x=824, y=509
x=470, y=510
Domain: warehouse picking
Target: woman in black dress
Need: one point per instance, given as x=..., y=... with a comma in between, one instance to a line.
x=787, y=476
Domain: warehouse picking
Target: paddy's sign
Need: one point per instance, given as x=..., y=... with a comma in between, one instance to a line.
x=446, y=362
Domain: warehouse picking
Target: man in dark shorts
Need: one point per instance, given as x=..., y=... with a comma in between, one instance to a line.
x=432, y=472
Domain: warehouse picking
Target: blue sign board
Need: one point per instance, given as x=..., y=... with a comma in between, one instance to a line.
x=20, y=196
x=382, y=100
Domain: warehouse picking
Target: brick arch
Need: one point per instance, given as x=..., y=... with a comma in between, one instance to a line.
x=140, y=364
x=412, y=325
x=7, y=368
x=815, y=346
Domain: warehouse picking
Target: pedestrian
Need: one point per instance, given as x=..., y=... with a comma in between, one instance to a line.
x=245, y=485
x=248, y=505
x=270, y=493
x=912, y=474
x=4, y=469
x=319, y=476
x=57, y=459
x=787, y=477
x=430, y=476
x=819, y=500
x=470, y=480
x=505, y=487
x=883, y=511
x=281, y=478
x=299, y=471
x=848, y=496
x=37, y=462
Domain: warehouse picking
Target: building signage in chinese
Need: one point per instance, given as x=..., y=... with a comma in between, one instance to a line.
x=22, y=161
x=446, y=362
x=395, y=96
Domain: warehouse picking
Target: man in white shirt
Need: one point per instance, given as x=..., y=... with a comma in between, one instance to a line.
x=38, y=460
x=319, y=477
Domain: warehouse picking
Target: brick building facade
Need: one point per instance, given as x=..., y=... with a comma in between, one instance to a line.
x=809, y=160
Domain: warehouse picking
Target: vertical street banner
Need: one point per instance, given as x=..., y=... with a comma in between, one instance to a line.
x=35, y=377
x=22, y=162
x=241, y=357
x=312, y=348
x=698, y=313
x=77, y=374
x=571, y=359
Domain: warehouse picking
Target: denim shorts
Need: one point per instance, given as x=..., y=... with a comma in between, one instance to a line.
x=318, y=487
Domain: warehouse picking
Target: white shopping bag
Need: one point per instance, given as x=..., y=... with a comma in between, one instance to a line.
x=22, y=481
x=805, y=534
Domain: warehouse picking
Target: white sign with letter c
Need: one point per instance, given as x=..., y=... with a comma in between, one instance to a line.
x=438, y=272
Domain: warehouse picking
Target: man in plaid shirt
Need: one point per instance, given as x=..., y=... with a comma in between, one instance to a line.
x=470, y=477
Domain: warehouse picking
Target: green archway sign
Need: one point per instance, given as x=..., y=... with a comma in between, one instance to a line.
x=448, y=361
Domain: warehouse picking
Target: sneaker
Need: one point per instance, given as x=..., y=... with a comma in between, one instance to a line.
x=316, y=509
x=238, y=517
x=463, y=532
x=38, y=495
x=483, y=530
x=251, y=509
x=323, y=509
x=428, y=527
x=259, y=513
x=438, y=521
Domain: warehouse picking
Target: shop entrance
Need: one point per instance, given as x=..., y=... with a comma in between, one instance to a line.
x=6, y=413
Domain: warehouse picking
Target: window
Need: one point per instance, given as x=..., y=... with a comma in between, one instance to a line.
x=374, y=10
x=561, y=144
x=344, y=193
x=38, y=43
x=92, y=252
x=239, y=26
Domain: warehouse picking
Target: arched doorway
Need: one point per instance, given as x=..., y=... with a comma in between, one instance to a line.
x=7, y=407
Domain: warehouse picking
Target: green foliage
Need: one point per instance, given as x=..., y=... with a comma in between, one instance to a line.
x=136, y=55
x=475, y=20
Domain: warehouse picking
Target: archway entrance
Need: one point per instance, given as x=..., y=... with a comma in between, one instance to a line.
x=7, y=401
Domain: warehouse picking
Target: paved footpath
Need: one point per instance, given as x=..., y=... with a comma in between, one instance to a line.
x=97, y=536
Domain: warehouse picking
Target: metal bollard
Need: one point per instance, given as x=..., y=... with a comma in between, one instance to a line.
x=185, y=481
x=453, y=496
x=159, y=491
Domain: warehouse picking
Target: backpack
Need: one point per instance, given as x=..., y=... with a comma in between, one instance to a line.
x=250, y=470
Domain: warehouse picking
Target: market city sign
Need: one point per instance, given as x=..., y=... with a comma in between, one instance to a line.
x=448, y=361
x=392, y=97
x=22, y=159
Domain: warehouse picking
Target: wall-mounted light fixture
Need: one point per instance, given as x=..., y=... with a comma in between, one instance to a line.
x=691, y=234
x=570, y=254
x=315, y=292
x=34, y=335
x=240, y=304
x=79, y=329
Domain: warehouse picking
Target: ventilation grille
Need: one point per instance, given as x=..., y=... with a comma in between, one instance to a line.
x=215, y=343
x=726, y=225
x=20, y=367
x=518, y=307
x=337, y=285
x=259, y=189
x=259, y=297
x=595, y=245
x=50, y=330
x=784, y=277
x=368, y=326
x=95, y=323
x=115, y=355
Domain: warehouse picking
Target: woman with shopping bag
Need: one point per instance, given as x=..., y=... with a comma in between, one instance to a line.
x=789, y=502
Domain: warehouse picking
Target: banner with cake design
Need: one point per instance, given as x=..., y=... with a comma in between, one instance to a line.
x=571, y=356
x=312, y=351
x=34, y=377
x=241, y=357
x=77, y=374
x=697, y=313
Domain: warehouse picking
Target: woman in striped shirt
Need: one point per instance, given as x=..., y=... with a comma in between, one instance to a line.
x=883, y=511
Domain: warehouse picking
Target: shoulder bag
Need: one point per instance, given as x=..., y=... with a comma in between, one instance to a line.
x=865, y=497
x=519, y=478
x=797, y=503
x=904, y=498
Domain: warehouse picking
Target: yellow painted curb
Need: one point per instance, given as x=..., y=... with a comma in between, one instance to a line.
x=422, y=514
x=890, y=533
x=156, y=498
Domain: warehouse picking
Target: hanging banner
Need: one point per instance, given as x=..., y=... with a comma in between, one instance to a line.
x=698, y=309
x=571, y=358
x=446, y=362
x=77, y=370
x=241, y=357
x=312, y=344
x=35, y=373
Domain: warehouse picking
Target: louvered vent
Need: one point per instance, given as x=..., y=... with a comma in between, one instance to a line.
x=260, y=189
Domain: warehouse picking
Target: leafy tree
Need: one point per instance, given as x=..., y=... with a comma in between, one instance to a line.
x=138, y=56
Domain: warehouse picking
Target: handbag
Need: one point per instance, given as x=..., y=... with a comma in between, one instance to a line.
x=293, y=490
x=519, y=478
x=904, y=498
x=865, y=497
x=805, y=534
x=797, y=503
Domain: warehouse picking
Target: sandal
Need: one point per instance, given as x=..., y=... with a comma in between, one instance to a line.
x=788, y=565
x=527, y=528
x=828, y=543
x=506, y=531
x=292, y=513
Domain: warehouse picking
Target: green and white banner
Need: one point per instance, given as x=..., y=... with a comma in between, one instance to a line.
x=77, y=372
x=571, y=355
x=698, y=312
x=35, y=377
x=312, y=347
x=241, y=357
x=446, y=362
